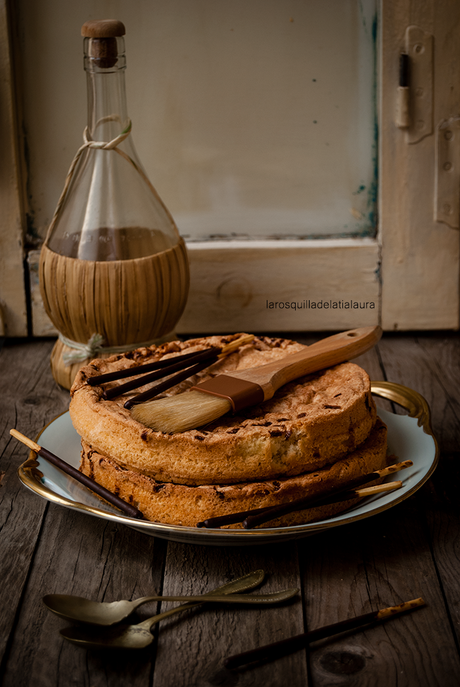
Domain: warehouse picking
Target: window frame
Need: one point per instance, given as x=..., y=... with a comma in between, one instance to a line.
x=410, y=270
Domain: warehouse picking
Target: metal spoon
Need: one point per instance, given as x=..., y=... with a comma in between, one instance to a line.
x=82, y=610
x=139, y=636
x=95, y=613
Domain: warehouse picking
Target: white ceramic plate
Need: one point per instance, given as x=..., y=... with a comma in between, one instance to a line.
x=409, y=438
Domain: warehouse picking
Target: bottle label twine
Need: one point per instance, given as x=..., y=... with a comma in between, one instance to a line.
x=94, y=345
x=104, y=145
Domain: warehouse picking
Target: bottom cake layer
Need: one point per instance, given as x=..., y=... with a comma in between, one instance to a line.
x=177, y=504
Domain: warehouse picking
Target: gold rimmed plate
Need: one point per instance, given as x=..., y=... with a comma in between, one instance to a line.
x=409, y=437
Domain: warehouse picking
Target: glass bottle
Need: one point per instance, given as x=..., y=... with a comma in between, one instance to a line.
x=110, y=211
x=114, y=271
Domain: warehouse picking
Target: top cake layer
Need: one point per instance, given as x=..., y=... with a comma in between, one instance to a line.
x=307, y=425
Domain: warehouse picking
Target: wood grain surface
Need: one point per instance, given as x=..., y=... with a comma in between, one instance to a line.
x=408, y=551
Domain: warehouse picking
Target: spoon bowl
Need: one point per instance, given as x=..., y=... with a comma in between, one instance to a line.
x=139, y=636
x=82, y=610
x=122, y=637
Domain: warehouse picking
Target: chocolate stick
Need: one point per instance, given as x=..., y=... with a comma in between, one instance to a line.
x=209, y=356
x=271, y=513
x=96, y=380
x=79, y=476
x=292, y=644
x=195, y=363
x=137, y=370
x=232, y=518
x=167, y=384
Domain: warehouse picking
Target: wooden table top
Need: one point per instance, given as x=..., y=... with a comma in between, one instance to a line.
x=408, y=551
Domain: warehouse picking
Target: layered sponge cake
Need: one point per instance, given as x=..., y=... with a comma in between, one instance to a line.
x=314, y=433
x=179, y=504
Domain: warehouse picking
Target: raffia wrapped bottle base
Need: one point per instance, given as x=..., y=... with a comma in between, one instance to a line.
x=126, y=301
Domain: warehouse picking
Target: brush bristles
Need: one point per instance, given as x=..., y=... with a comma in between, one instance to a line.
x=179, y=413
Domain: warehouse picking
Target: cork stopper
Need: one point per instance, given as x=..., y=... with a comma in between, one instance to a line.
x=103, y=34
x=103, y=28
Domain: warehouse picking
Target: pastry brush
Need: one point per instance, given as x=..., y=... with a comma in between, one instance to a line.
x=187, y=364
x=215, y=397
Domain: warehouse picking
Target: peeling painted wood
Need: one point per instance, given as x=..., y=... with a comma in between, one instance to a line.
x=420, y=257
x=13, y=312
x=233, y=285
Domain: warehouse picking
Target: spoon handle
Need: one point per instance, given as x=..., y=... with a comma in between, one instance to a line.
x=273, y=597
x=241, y=584
x=276, y=597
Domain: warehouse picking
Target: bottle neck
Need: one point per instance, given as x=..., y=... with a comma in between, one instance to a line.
x=107, y=109
x=105, y=66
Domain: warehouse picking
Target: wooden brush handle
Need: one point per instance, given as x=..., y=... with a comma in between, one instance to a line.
x=325, y=353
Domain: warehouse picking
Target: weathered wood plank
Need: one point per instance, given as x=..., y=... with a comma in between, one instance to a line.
x=231, y=283
x=408, y=361
x=362, y=568
x=200, y=643
x=41, y=323
x=420, y=257
x=29, y=400
x=386, y=559
x=431, y=365
x=53, y=550
x=13, y=315
x=81, y=555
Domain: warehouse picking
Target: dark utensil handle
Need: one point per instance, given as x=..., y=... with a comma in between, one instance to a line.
x=270, y=513
x=91, y=484
x=292, y=644
x=167, y=384
x=210, y=356
x=96, y=380
x=288, y=646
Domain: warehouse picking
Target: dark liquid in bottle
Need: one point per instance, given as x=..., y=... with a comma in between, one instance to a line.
x=106, y=244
